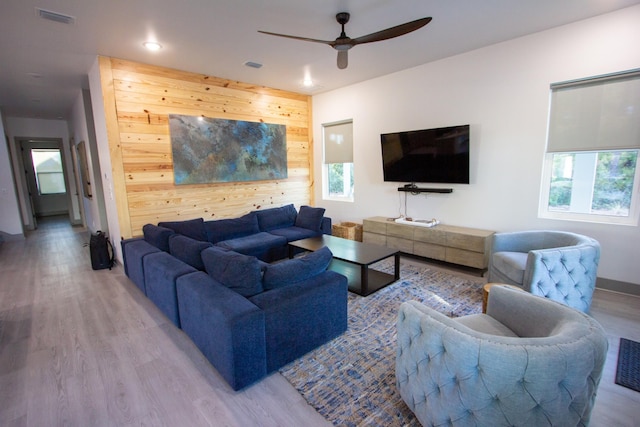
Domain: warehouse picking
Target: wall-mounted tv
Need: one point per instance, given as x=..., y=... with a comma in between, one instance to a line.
x=438, y=155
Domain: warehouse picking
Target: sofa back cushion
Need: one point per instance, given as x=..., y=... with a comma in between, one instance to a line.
x=241, y=273
x=310, y=218
x=188, y=250
x=226, y=229
x=193, y=228
x=157, y=236
x=270, y=219
x=296, y=270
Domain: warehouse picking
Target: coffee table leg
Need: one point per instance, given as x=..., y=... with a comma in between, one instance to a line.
x=364, y=280
x=396, y=268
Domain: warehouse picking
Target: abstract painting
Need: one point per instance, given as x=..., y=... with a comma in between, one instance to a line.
x=207, y=150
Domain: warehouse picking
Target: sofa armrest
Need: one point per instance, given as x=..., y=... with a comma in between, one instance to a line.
x=303, y=316
x=326, y=225
x=227, y=328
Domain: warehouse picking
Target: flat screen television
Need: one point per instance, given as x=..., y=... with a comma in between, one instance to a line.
x=438, y=155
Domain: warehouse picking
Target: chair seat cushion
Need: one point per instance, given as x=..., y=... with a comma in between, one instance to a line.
x=486, y=324
x=511, y=264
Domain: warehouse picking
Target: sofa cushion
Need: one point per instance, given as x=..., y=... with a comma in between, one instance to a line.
x=294, y=233
x=157, y=236
x=511, y=264
x=310, y=218
x=225, y=229
x=255, y=243
x=270, y=219
x=193, y=228
x=238, y=272
x=188, y=250
x=296, y=270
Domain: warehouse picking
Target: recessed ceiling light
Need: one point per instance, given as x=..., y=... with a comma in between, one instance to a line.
x=253, y=64
x=152, y=46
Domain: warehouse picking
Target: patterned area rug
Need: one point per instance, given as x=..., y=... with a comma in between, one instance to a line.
x=351, y=380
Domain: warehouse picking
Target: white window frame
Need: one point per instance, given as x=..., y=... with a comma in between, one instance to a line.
x=586, y=143
x=544, y=212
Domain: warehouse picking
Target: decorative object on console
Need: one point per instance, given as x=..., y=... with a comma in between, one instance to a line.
x=528, y=361
x=209, y=150
x=558, y=265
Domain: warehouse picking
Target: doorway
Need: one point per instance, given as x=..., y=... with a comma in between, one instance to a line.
x=46, y=178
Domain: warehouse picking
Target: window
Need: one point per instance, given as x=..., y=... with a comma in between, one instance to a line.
x=338, y=161
x=590, y=170
x=47, y=164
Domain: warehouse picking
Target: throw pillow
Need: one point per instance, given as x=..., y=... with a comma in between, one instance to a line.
x=296, y=270
x=241, y=273
x=157, y=236
x=188, y=250
x=225, y=229
x=193, y=228
x=270, y=219
x=310, y=218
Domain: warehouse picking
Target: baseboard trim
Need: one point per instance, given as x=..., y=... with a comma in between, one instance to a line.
x=6, y=237
x=618, y=286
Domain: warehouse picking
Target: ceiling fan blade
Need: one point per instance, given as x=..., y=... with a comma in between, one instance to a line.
x=298, y=38
x=392, y=32
x=343, y=59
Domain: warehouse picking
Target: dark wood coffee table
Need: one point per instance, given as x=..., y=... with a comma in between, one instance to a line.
x=353, y=259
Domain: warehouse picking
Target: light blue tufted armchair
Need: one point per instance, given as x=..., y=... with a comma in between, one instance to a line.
x=557, y=265
x=528, y=362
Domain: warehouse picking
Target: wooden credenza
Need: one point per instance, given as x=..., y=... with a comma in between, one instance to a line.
x=457, y=245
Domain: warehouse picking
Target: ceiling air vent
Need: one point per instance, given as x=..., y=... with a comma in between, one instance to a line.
x=55, y=16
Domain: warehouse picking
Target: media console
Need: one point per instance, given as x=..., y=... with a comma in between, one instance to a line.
x=469, y=247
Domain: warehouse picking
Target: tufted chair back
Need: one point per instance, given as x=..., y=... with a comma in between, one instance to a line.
x=528, y=362
x=558, y=265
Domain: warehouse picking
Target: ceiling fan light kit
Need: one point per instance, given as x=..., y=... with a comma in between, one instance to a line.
x=343, y=43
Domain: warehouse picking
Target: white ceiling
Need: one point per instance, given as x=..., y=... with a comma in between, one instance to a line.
x=43, y=64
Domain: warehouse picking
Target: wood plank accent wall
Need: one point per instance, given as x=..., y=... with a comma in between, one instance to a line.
x=143, y=96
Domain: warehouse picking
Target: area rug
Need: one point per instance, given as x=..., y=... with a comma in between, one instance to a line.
x=628, y=371
x=351, y=380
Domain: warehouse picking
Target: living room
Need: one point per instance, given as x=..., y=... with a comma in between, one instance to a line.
x=501, y=90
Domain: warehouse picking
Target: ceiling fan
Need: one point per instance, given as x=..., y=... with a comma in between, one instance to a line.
x=343, y=43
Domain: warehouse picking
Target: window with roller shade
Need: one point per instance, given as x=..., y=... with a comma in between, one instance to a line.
x=590, y=169
x=338, y=161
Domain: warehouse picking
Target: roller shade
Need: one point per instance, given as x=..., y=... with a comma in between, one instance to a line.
x=601, y=113
x=338, y=142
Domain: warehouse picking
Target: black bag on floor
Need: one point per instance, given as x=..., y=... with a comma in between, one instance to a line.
x=99, y=247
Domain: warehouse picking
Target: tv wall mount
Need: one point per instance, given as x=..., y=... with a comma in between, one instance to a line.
x=414, y=189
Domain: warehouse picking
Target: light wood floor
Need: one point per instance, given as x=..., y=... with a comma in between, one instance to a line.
x=85, y=348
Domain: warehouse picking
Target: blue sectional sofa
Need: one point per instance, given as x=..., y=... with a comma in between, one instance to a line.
x=216, y=280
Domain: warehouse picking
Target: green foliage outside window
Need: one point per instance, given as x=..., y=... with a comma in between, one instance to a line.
x=612, y=186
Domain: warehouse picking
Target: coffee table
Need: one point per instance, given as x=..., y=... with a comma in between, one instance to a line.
x=352, y=259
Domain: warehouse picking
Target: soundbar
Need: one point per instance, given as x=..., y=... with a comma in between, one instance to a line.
x=425, y=190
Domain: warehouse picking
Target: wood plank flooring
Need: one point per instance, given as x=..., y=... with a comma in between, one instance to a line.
x=85, y=348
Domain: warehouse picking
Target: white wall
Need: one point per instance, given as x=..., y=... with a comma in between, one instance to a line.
x=41, y=128
x=102, y=142
x=10, y=223
x=502, y=91
x=81, y=129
